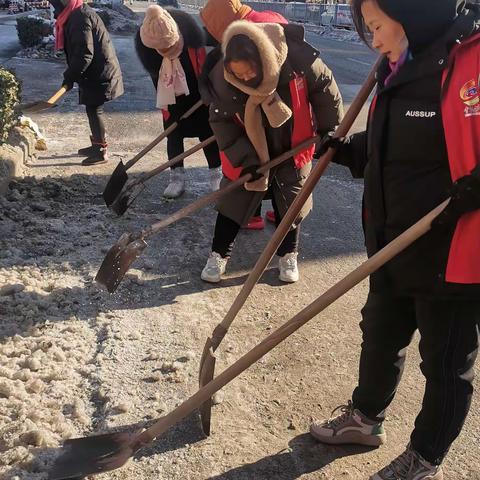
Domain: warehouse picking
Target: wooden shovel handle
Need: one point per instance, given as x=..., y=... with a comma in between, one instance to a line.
x=58, y=95
x=279, y=335
x=164, y=134
x=146, y=176
x=214, y=196
x=281, y=231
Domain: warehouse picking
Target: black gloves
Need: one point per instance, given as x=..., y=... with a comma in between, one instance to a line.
x=252, y=169
x=465, y=198
x=67, y=84
x=329, y=141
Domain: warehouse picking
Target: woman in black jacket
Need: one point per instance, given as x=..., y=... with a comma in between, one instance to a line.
x=171, y=38
x=421, y=146
x=92, y=63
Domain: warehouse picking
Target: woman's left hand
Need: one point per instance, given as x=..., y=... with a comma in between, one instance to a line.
x=465, y=198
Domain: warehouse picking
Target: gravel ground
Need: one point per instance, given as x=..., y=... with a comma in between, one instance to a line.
x=76, y=360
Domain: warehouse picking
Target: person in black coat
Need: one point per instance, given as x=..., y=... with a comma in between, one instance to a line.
x=171, y=39
x=420, y=147
x=92, y=64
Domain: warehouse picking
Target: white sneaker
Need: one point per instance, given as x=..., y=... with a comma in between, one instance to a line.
x=177, y=183
x=216, y=176
x=214, y=269
x=288, y=268
x=349, y=427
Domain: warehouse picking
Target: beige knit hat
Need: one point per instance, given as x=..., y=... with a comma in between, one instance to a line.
x=159, y=30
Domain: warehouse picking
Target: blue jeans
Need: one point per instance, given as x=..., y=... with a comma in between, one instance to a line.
x=449, y=343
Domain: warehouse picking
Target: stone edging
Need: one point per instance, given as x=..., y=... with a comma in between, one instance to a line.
x=15, y=155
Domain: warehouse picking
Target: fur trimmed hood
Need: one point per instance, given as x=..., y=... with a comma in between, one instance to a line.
x=269, y=38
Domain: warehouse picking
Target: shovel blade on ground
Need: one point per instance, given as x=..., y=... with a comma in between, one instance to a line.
x=122, y=203
x=118, y=260
x=80, y=457
x=35, y=107
x=207, y=370
x=115, y=184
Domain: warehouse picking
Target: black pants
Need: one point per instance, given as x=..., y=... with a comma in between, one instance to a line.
x=175, y=147
x=97, y=125
x=449, y=343
x=226, y=231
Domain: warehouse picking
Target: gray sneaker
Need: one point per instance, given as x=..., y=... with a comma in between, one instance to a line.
x=351, y=426
x=409, y=466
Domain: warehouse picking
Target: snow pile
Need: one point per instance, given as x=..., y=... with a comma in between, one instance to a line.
x=48, y=310
x=44, y=51
x=116, y=21
x=44, y=392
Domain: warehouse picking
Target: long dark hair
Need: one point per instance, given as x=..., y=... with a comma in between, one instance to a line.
x=362, y=30
x=241, y=48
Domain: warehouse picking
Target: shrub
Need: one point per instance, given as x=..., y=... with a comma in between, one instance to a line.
x=31, y=30
x=9, y=97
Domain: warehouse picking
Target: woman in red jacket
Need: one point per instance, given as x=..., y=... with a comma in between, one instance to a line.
x=421, y=146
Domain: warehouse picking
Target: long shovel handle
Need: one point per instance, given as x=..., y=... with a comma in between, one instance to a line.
x=147, y=176
x=55, y=97
x=287, y=221
x=321, y=303
x=164, y=134
x=214, y=196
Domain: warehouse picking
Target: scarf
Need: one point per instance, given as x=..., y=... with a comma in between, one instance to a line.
x=172, y=81
x=395, y=66
x=62, y=20
x=270, y=41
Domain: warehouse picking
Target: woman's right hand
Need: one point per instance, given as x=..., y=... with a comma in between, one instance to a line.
x=327, y=142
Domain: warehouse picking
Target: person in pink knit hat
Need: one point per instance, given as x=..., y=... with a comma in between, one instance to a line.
x=171, y=47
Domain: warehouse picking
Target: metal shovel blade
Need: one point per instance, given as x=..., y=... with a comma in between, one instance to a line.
x=121, y=204
x=80, y=457
x=115, y=184
x=35, y=107
x=118, y=260
x=207, y=370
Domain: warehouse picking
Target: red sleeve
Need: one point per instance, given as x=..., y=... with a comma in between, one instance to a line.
x=265, y=17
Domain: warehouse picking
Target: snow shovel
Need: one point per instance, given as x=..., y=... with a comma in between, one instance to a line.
x=208, y=359
x=41, y=105
x=119, y=176
x=131, y=190
x=80, y=457
x=130, y=245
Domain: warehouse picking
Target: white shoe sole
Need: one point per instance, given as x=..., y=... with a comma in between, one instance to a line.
x=171, y=196
x=437, y=476
x=208, y=279
x=352, y=438
x=288, y=279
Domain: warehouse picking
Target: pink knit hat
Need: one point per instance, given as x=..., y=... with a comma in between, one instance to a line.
x=159, y=30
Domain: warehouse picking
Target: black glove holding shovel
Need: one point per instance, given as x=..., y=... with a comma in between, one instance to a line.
x=329, y=141
x=465, y=198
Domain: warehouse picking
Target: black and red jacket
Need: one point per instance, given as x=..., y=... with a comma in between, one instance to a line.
x=423, y=134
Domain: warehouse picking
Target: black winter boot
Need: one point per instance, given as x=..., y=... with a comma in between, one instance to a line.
x=87, y=151
x=99, y=155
